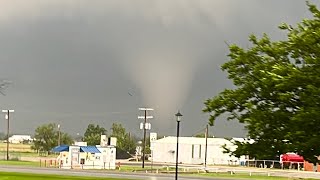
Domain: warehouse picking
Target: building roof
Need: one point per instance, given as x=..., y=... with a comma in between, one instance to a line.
x=21, y=136
x=90, y=149
x=246, y=140
x=60, y=148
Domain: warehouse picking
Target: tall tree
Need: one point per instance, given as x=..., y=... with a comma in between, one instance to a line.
x=46, y=137
x=277, y=92
x=3, y=136
x=66, y=139
x=93, y=134
x=125, y=141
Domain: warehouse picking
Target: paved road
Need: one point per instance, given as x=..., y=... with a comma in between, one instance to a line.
x=95, y=173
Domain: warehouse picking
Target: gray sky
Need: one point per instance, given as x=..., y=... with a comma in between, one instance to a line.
x=76, y=62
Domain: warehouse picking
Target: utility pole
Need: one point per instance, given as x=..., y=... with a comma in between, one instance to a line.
x=7, y=117
x=144, y=137
x=145, y=127
x=206, y=148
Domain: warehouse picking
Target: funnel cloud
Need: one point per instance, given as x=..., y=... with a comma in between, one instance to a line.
x=76, y=62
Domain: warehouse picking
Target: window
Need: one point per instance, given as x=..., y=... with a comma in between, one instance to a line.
x=192, y=151
x=81, y=161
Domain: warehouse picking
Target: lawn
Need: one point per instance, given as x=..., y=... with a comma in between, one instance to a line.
x=246, y=176
x=131, y=169
x=20, y=163
x=27, y=176
x=260, y=176
x=16, y=147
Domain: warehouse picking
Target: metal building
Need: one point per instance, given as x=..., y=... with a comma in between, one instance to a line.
x=192, y=150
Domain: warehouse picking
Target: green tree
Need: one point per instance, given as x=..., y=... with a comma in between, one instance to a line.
x=277, y=92
x=46, y=137
x=66, y=139
x=125, y=141
x=93, y=134
x=3, y=136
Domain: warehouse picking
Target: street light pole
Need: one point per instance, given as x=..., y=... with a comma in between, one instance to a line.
x=144, y=126
x=206, y=148
x=7, y=116
x=178, y=116
x=59, y=135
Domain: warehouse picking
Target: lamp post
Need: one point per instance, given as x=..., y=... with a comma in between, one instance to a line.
x=59, y=135
x=206, y=148
x=8, y=126
x=145, y=126
x=178, y=116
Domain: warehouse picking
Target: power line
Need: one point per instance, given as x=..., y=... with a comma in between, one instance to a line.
x=200, y=131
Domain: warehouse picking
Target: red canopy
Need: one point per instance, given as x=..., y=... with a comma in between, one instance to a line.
x=292, y=158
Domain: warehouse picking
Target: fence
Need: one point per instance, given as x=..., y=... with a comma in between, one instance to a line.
x=274, y=164
x=49, y=163
x=12, y=156
x=53, y=163
x=251, y=168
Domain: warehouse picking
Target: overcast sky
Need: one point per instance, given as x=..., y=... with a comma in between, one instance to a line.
x=76, y=62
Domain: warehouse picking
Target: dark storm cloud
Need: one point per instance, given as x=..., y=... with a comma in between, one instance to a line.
x=74, y=62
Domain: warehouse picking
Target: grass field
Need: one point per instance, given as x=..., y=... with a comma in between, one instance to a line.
x=131, y=169
x=216, y=175
x=27, y=176
x=16, y=151
x=16, y=147
x=246, y=176
x=20, y=163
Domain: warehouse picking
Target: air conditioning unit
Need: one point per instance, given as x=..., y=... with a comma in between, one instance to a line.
x=112, y=141
x=103, y=141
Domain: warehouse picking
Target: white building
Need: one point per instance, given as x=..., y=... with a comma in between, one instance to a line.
x=16, y=139
x=81, y=156
x=86, y=157
x=192, y=150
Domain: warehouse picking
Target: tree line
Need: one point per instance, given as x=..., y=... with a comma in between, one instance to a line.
x=46, y=137
x=276, y=92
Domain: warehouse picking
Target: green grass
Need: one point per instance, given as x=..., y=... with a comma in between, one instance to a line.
x=16, y=147
x=26, y=154
x=246, y=176
x=126, y=168
x=29, y=176
x=216, y=175
x=20, y=163
x=19, y=155
x=132, y=168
